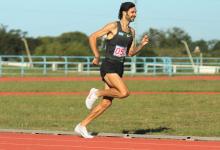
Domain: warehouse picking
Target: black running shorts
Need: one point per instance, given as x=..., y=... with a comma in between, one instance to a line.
x=111, y=66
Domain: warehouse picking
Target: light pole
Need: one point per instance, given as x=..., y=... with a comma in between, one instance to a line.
x=195, y=68
x=188, y=52
x=27, y=51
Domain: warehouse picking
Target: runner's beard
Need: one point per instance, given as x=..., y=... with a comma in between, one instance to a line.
x=130, y=19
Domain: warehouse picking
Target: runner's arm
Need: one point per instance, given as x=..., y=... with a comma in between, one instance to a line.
x=135, y=49
x=94, y=36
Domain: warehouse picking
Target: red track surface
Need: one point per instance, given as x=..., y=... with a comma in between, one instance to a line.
x=14, y=141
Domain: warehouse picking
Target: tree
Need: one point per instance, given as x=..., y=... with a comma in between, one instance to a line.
x=33, y=43
x=73, y=37
x=174, y=37
x=71, y=43
x=202, y=44
x=10, y=41
x=157, y=38
x=217, y=46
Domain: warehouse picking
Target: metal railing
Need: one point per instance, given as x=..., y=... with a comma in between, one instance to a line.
x=67, y=65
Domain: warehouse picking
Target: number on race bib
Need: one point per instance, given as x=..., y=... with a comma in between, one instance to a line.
x=120, y=51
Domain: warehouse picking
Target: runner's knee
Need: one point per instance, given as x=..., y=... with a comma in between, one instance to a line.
x=124, y=94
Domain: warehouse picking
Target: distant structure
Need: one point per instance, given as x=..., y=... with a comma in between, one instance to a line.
x=197, y=50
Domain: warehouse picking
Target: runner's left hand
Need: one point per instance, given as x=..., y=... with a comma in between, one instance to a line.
x=144, y=40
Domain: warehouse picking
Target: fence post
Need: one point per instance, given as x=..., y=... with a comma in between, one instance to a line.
x=45, y=65
x=169, y=66
x=155, y=68
x=88, y=64
x=66, y=65
x=133, y=65
x=22, y=65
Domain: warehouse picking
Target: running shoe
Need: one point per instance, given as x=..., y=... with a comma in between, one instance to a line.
x=91, y=98
x=82, y=131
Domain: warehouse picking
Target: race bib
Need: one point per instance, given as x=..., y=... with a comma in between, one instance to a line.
x=120, y=51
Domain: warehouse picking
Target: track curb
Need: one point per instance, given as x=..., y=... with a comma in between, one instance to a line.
x=171, y=137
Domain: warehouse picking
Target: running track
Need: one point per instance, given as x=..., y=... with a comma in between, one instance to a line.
x=15, y=141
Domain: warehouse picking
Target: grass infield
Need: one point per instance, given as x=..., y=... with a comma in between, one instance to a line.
x=172, y=114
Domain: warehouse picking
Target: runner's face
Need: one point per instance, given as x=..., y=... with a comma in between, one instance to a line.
x=131, y=14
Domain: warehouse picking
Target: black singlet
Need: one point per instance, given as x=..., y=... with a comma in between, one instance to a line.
x=117, y=48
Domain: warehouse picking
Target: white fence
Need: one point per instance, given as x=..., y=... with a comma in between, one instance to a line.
x=64, y=65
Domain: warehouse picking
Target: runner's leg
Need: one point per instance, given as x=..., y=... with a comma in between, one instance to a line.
x=99, y=109
x=117, y=89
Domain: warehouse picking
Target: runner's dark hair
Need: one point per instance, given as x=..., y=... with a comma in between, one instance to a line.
x=125, y=7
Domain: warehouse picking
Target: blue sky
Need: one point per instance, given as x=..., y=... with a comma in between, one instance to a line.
x=199, y=18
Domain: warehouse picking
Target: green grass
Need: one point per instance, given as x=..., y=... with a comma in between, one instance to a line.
x=133, y=86
x=170, y=114
x=195, y=115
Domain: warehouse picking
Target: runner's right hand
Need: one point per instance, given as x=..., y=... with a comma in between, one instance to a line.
x=95, y=61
